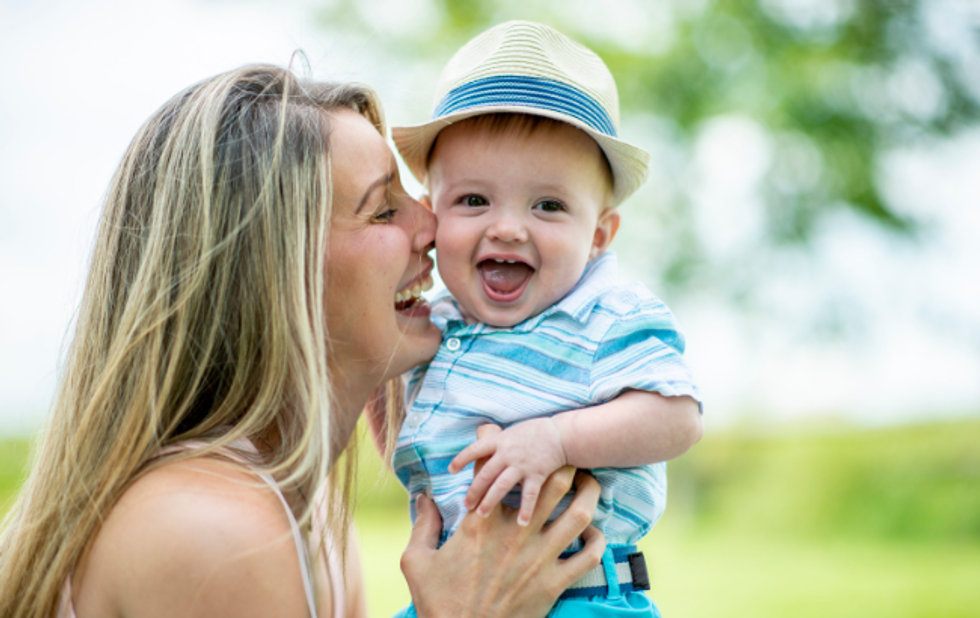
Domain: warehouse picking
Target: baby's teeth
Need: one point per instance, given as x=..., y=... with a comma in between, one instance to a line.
x=511, y=261
x=498, y=260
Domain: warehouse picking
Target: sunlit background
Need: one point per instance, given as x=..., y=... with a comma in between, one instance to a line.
x=812, y=219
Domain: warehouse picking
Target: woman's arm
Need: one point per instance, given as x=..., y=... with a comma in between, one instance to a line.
x=493, y=567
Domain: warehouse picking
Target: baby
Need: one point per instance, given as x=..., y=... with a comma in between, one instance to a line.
x=524, y=171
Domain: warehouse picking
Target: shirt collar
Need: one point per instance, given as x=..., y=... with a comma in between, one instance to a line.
x=600, y=274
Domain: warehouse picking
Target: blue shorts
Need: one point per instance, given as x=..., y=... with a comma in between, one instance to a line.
x=613, y=605
x=629, y=605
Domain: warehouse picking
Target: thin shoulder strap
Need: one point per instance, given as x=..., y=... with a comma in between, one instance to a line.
x=301, y=549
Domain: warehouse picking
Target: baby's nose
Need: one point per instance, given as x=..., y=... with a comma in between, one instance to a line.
x=507, y=228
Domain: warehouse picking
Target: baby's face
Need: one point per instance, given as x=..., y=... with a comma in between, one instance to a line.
x=519, y=217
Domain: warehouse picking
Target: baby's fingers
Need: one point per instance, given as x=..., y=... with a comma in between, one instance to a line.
x=530, y=489
x=484, y=447
x=500, y=488
x=482, y=481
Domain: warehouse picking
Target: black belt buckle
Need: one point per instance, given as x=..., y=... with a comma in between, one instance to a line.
x=638, y=569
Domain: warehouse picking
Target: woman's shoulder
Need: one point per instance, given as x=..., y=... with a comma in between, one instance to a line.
x=194, y=537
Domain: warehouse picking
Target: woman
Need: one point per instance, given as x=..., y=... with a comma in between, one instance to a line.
x=239, y=311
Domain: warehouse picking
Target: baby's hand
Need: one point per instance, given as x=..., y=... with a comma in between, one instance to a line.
x=525, y=453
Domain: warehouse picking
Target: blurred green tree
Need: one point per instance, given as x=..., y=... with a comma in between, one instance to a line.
x=830, y=85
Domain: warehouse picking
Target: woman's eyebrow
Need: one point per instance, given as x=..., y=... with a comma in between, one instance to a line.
x=380, y=182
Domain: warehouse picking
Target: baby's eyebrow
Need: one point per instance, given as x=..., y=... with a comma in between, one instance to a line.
x=380, y=182
x=551, y=187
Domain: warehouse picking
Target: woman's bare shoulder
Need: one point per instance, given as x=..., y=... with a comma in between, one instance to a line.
x=199, y=537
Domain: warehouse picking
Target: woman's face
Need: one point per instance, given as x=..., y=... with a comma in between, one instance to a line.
x=377, y=264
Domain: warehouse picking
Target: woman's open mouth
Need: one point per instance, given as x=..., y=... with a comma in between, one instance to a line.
x=504, y=280
x=411, y=297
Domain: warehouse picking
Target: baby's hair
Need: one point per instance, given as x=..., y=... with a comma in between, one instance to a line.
x=523, y=125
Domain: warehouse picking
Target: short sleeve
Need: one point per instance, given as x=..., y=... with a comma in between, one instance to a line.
x=642, y=350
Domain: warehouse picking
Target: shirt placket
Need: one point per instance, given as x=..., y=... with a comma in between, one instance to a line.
x=458, y=337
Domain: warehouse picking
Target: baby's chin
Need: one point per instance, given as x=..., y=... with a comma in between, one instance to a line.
x=498, y=319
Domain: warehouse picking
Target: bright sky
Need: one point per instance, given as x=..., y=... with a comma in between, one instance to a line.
x=79, y=77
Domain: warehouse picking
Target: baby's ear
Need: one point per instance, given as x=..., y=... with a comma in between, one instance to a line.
x=605, y=231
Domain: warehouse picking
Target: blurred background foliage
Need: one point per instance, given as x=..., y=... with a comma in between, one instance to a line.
x=828, y=87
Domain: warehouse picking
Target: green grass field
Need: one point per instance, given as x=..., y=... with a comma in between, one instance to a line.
x=705, y=575
x=847, y=523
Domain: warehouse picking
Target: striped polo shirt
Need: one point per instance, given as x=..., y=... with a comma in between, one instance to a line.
x=601, y=339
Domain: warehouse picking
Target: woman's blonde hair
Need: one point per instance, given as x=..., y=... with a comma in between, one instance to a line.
x=203, y=315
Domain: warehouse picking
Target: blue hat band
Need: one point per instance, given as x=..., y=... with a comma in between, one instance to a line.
x=531, y=92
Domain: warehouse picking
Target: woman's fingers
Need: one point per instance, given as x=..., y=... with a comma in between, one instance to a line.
x=492, y=567
x=578, y=515
x=589, y=557
x=428, y=526
x=552, y=491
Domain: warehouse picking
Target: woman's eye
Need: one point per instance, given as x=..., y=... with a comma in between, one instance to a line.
x=474, y=200
x=386, y=215
x=551, y=206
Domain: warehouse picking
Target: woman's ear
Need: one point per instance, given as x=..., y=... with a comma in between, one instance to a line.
x=605, y=231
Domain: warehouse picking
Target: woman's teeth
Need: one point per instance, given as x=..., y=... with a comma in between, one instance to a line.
x=410, y=296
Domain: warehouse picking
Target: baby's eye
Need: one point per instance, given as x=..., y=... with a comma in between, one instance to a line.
x=550, y=206
x=474, y=200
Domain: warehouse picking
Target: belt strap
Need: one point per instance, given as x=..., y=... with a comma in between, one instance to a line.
x=631, y=571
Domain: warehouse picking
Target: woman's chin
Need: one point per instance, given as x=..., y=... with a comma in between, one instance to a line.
x=419, y=343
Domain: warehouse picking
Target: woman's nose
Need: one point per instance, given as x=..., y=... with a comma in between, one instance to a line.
x=422, y=224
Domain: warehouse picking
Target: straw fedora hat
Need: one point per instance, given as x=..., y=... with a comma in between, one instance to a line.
x=529, y=68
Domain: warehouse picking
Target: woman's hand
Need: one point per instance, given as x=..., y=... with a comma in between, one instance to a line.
x=492, y=566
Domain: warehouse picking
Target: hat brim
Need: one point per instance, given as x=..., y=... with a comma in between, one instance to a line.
x=630, y=164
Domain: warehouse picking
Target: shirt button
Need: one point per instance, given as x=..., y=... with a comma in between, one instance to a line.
x=414, y=419
x=453, y=344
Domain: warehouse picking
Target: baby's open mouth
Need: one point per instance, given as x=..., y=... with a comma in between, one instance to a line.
x=411, y=296
x=504, y=280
